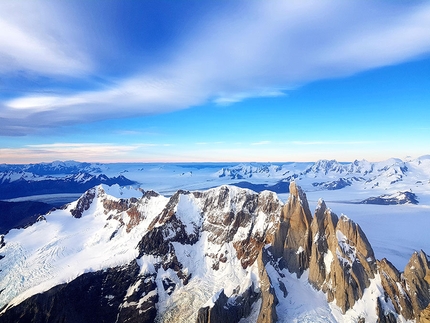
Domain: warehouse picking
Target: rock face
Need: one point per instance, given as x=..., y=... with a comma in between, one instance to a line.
x=292, y=240
x=409, y=291
x=84, y=203
x=219, y=255
x=417, y=281
x=347, y=263
x=268, y=297
x=336, y=251
x=228, y=310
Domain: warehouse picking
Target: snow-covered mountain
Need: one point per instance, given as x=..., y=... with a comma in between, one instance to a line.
x=392, y=175
x=53, y=168
x=323, y=172
x=224, y=254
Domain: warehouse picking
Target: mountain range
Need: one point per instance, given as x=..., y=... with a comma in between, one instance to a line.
x=389, y=182
x=75, y=177
x=224, y=254
x=215, y=242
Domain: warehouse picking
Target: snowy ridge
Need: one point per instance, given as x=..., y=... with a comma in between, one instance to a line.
x=61, y=247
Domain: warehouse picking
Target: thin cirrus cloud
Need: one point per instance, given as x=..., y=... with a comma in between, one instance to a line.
x=32, y=44
x=266, y=49
x=68, y=151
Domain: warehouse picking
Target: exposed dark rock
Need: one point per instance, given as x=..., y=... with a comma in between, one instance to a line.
x=333, y=185
x=91, y=297
x=84, y=203
x=354, y=264
x=150, y=193
x=383, y=316
x=168, y=285
x=153, y=243
x=133, y=309
x=228, y=310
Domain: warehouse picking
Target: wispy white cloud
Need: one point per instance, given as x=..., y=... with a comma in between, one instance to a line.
x=227, y=99
x=35, y=38
x=107, y=152
x=264, y=50
x=66, y=151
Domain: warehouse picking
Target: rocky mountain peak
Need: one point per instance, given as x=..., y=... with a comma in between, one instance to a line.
x=342, y=262
x=323, y=232
x=240, y=216
x=292, y=239
x=325, y=166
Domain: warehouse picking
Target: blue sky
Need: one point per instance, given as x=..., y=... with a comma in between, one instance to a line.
x=214, y=80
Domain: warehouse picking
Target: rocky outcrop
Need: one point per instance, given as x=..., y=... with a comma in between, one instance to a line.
x=233, y=309
x=83, y=203
x=245, y=218
x=228, y=310
x=384, y=316
x=417, y=277
x=268, y=297
x=342, y=262
x=408, y=291
x=292, y=240
x=395, y=288
x=323, y=231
